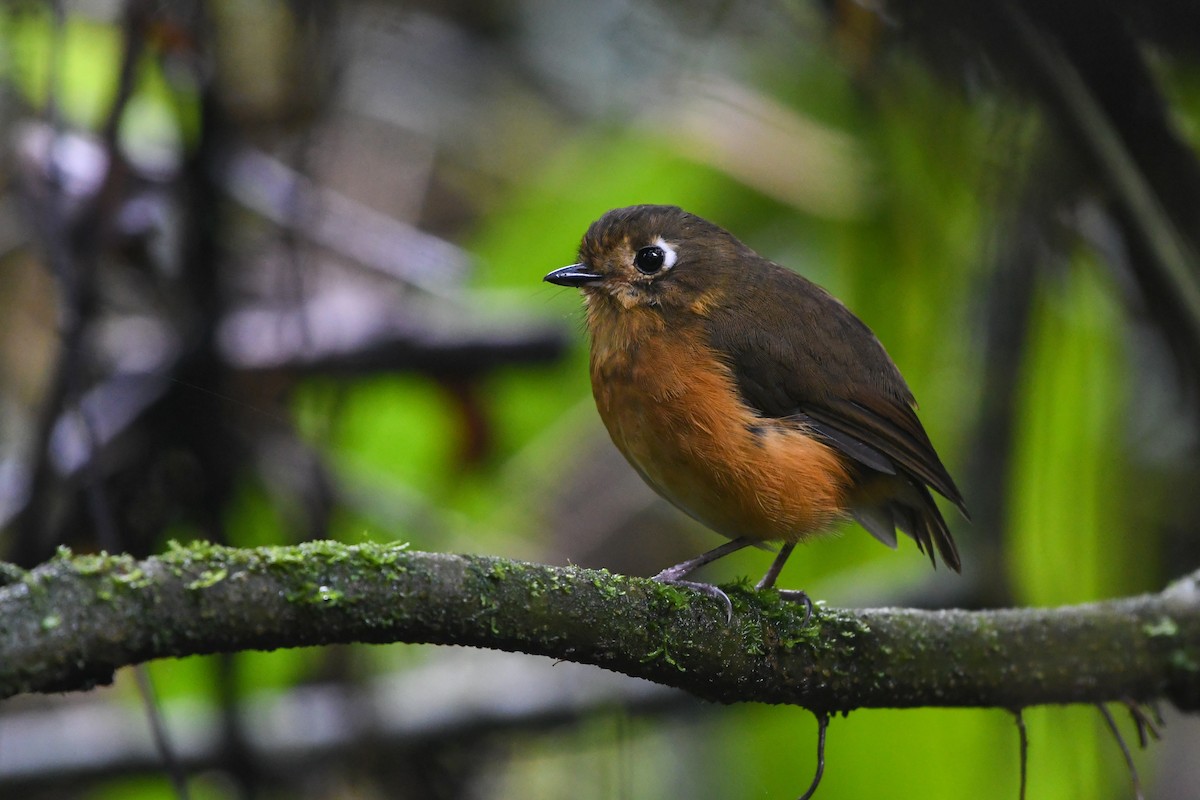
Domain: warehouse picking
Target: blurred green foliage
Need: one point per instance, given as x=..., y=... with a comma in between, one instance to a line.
x=81, y=59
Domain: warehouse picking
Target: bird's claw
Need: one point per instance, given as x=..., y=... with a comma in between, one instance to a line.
x=666, y=577
x=798, y=596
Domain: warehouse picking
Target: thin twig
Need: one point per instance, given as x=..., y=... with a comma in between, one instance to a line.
x=1023, y=746
x=822, y=727
x=1116, y=732
x=158, y=729
x=1147, y=727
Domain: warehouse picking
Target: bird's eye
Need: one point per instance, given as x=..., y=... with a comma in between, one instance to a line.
x=649, y=260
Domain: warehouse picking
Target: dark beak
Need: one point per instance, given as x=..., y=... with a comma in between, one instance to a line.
x=573, y=275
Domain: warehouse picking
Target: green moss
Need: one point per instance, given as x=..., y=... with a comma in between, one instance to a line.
x=751, y=634
x=100, y=563
x=278, y=558
x=215, y=562
x=611, y=586
x=10, y=573
x=210, y=577
x=1164, y=627
x=327, y=596
x=383, y=555
x=560, y=584
x=50, y=622
x=663, y=654
x=317, y=594
x=135, y=578
x=674, y=597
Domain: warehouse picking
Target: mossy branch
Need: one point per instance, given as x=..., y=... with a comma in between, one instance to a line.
x=69, y=623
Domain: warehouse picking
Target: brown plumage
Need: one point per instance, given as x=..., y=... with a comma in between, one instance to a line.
x=747, y=395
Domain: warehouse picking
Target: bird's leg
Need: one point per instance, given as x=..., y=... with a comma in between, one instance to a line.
x=675, y=575
x=685, y=568
x=772, y=575
x=791, y=595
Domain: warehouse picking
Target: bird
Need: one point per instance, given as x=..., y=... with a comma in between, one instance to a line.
x=748, y=396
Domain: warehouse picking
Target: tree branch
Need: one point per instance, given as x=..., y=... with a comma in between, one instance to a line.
x=69, y=623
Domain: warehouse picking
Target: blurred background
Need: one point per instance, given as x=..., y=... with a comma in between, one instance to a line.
x=270, y=270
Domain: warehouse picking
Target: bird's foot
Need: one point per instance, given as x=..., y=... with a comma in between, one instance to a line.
x=676, y=574
x=671, y=577
x=797, y=596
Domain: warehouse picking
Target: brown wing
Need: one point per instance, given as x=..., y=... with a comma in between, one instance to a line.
x=912, y=509
x=893, y=431
x=796, y=351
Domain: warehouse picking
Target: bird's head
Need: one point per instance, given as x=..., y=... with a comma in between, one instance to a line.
x=657, y=257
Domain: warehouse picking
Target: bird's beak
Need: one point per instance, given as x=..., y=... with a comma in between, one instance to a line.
x=573, y=275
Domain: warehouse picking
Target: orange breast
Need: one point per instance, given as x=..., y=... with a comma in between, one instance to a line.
x=673, y=409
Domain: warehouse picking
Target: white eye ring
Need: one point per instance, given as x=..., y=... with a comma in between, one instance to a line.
x=655, y=259
x=668, y=252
